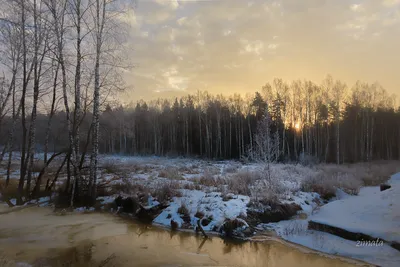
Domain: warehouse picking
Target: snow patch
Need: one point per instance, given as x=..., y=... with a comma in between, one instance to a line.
x=210, y=204
x=296, y=231
x=373, y=212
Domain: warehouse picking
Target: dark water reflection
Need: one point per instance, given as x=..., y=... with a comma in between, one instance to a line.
x=43, y=239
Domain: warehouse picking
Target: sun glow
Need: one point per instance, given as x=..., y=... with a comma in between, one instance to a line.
x=297, y=126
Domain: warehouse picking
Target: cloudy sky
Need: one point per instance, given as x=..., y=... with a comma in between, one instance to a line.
x=236, y=46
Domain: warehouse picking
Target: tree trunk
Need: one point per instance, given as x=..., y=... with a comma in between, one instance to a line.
x=100, y=20
x=52, y=110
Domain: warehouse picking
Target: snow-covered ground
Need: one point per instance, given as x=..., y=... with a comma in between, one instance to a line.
x=219, y=191
x=372, y=212
x=296, y=231
x=211, y=205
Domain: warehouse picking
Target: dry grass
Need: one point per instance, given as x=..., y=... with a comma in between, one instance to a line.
x=350, y=178
x=209, y=179
x=9, y=192
x=326, y=183
x=164, y=192
x=231, y=168
x=125, y=186
x=294, y=228
x=170, y=173
x=185, y=169
x=192, y=186
x=38, y=166
x=241, y=182
x=110, y=167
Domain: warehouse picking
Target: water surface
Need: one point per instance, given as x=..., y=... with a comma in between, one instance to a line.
x=41, y=238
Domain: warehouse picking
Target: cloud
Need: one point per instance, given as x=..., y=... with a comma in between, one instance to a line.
x=391, y=3
x=228, y=46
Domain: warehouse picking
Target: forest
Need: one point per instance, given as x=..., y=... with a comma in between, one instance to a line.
x=309, y=122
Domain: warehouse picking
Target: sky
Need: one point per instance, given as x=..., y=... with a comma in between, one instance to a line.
x=236, y=46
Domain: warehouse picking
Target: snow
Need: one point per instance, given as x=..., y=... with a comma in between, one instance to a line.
x=151, y=202
x=304, y=199
x=373, y=212
x=296, y=231
x=84, y=209
x=23, y=264
x=211, y=204
x=106, y=200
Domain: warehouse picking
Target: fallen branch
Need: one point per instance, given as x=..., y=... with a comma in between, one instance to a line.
x=48, y=188
x=36, y=189
x=107, y=260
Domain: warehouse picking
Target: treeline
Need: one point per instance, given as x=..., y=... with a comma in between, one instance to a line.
x=325, y=123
